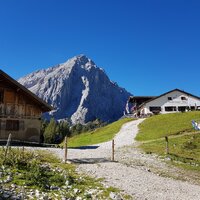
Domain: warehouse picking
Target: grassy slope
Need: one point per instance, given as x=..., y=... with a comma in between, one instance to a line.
x=100, y=135
x=169, y=124
x=182, y=148
x=185, y=149
x=37, y=169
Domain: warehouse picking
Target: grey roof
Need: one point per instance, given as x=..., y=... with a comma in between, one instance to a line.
x=168, y=93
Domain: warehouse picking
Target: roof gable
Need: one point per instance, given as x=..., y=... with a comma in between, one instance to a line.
x=171, y=92
x=44, y=106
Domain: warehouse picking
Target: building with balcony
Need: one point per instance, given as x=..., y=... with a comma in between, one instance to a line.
x=20, y=111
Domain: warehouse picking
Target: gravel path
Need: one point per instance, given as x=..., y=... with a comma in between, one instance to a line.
x=131, y=173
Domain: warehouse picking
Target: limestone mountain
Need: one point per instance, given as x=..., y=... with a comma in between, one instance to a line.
x=78, y=90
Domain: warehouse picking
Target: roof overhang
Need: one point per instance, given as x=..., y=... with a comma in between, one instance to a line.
x=44, y=106
x=189, y=94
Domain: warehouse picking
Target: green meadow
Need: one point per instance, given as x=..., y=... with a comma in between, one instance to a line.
x=99, y=135
x=184, y=141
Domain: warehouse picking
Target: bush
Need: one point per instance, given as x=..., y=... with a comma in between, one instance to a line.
x=16, y=158
x=42, y=176
x=50, y=132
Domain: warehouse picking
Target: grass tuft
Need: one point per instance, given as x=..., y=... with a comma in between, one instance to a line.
x=31, y=171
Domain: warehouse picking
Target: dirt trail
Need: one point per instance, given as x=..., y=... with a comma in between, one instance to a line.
x=136, y=173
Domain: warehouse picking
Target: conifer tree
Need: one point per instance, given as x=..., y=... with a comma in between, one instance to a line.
x=50, y=132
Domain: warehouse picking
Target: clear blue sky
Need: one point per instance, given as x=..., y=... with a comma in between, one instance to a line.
x=146, y=46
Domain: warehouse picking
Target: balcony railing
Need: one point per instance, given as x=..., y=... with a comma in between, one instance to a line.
x=18, y=111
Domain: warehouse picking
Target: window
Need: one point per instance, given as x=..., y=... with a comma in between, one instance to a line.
x=12, y=125
x=170, y=108
x=154, y=108
x=182, y=108
x=183, y=98
x=1, y=95
x=169, y=98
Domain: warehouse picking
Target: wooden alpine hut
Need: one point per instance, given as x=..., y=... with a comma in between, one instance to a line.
x=20, y=111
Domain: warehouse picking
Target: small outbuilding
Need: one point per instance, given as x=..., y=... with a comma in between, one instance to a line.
x=173, y=101
x=20, y=111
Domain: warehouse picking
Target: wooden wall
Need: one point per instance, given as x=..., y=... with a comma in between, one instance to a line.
x=20, y=113
x=17, y=104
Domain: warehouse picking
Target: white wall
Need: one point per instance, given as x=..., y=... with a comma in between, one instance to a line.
x=176, y=101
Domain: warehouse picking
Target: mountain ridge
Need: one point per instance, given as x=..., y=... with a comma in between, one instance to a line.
x=78, y=90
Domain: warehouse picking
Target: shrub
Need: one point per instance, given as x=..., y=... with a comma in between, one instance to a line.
x=50, y=132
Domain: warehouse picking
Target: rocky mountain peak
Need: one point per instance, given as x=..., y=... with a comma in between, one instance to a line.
x=78, y=90
x=83, y=61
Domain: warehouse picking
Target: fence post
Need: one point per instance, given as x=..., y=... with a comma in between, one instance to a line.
x=23, y=150
x=65, y=158
x=113, y=150
x=7, y=146
x=167, y=145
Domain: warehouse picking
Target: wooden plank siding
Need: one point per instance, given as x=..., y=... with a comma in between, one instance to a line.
x=14, y=104
x=20, y=111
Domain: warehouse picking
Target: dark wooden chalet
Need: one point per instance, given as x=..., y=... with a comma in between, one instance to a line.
x=136, y=102
x=20, y=111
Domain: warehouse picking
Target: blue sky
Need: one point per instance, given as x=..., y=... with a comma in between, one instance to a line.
x=146, y=46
